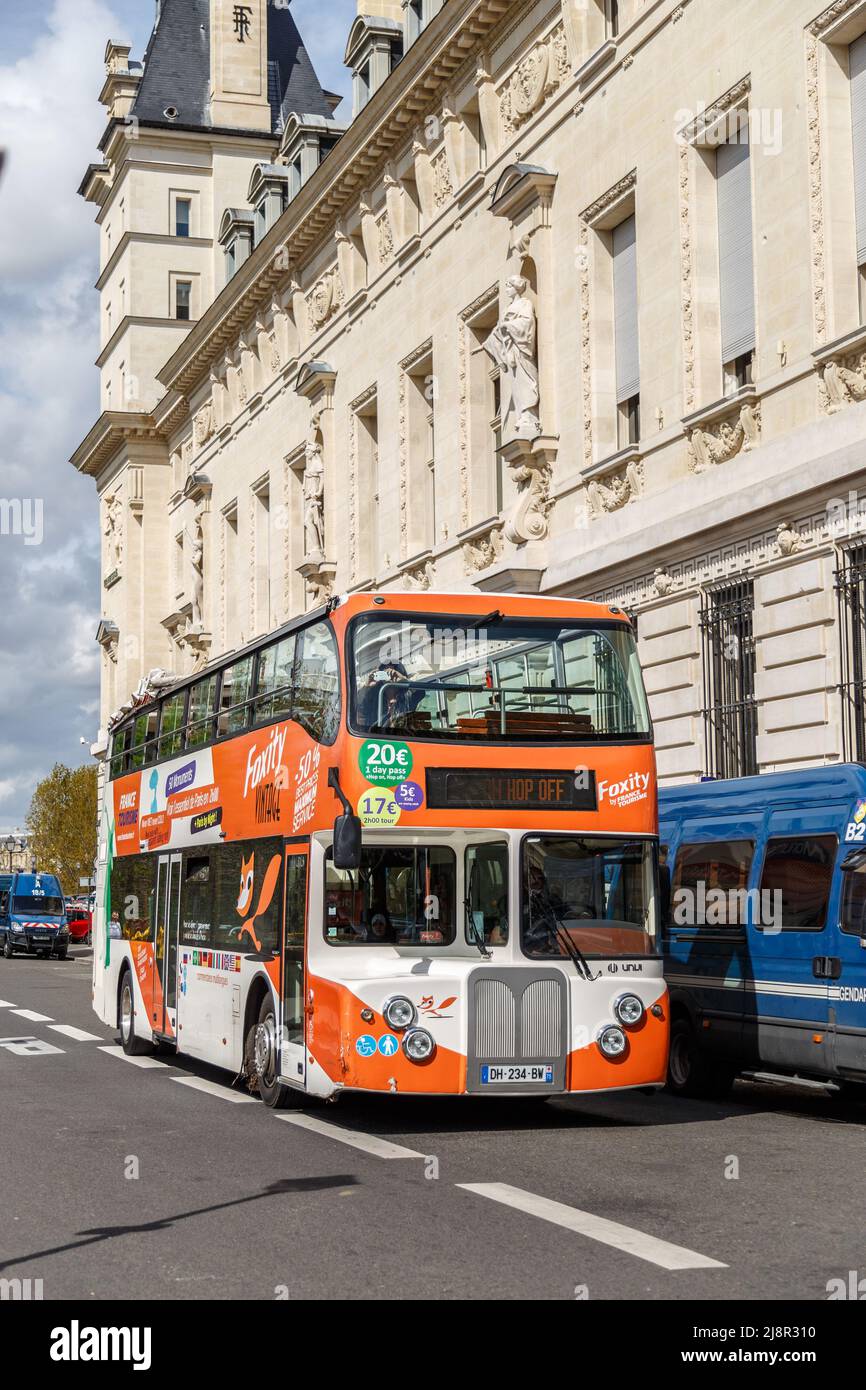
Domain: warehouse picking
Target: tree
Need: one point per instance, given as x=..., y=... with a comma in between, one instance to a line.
x=62, y=823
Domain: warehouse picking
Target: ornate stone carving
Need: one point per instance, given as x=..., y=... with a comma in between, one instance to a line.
x=532, y=471
x=512, y=346
x=419, y=576
x=443, y=189
x=827, y=18
x=275, y=360
x=112, y=530
x=686, y=278
x=732, y=100
x=384, y=238
x=662, y=582
x=609, y=494
x=325, y=298
x=203, y=425
x=724, y=440
x=537, y=76
x=816, y=188
x=478, y=306
x=197, y=565
x=843, y=381
x=788, y=539
x=483, y=550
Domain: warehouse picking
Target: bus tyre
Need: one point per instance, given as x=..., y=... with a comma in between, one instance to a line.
x=690, y=1071
x=132, y=1046
x=260, y=1057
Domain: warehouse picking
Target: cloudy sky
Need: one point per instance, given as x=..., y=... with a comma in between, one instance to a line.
x=51, y=72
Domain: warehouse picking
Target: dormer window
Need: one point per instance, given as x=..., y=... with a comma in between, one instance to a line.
x=374, y=49
x=236, y=238
x=418, y=14
x=268, y=193
x=306, y=141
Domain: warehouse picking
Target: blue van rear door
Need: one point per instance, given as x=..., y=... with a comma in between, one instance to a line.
x=787, y=1019
x=848, y=989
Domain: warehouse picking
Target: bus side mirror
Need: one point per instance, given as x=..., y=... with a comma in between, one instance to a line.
x=347, y=842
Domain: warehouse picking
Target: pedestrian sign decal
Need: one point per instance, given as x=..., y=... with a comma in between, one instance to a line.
x=388, y=1045
x=365, y=1046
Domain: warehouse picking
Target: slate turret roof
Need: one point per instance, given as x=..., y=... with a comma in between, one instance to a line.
x=177, y=68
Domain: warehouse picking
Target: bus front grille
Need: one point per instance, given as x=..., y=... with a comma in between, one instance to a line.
x=517, y=1016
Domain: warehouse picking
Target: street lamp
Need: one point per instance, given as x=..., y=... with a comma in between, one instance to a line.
x=12, y=844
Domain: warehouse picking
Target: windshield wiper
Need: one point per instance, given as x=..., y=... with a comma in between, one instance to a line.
x=561, y=934
x=495, y=617
x=475, y=937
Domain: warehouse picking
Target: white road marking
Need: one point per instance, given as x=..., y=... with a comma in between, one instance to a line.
x=369, y=1143
x=30, y=1047
x=31, y=1016
x=6, y=1004
x=115, y=1050
x=657, y=1252
x=76, y=1034
x=213, y=1088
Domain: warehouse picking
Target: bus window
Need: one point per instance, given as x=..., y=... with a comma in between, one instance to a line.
x=316, y=704
x=598, y=892
x=721, y=868
x=132, y=898
x=487, y=893
x=144, y=739
x=274, y=684
x=236, y=691
x=801, y=869
x=171, y=721
x=120, y=743
x=513, y=679
x=202, y=709
x=247, y=894
x=195, y=914
x=854, y=895
x=401, y=896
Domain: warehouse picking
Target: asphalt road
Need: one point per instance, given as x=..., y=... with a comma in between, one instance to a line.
x=162, y=1182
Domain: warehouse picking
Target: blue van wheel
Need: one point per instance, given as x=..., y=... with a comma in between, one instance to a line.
x=7, y=948
x=690, y=1071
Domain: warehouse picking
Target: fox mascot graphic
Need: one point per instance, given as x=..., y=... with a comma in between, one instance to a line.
x=245, y=898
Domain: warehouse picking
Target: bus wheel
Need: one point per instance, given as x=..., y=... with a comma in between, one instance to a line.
x=132, y=1046
x=260, y=1056
x=690, y=1072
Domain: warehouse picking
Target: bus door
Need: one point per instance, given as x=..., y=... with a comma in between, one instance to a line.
x=164, y=1006
x=293, y=1054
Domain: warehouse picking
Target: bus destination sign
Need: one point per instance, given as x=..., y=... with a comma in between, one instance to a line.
x=510, y=789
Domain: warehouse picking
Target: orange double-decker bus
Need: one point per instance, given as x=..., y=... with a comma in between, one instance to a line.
x=405, y=844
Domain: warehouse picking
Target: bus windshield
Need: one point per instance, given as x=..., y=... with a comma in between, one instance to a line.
x=497, y=679
x=401, y=896
x=597, y=891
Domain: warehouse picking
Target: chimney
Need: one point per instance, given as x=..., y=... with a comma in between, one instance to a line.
x=239, y=64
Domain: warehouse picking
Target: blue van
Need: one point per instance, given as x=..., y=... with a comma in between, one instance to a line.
x=764, y=928
x=33, y=916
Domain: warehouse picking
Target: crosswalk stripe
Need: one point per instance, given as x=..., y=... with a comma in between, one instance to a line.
x=213, y=1088
x=32, y=1017
x=76, y=1034
x=645, y=1247
x=368, y=1143
x=115, y=1050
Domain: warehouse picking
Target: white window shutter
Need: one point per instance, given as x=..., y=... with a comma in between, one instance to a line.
x=625, y=310
x=736, y=257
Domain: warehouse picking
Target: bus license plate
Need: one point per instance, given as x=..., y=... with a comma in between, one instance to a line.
x=516, y=1076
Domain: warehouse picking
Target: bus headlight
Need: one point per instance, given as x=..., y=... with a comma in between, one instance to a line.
x=418, y=1045
x=399, y=1013
x=628, y=1009
x=612, y=1041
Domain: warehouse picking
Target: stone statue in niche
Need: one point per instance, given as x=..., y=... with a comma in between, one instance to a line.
x=314, y=490
x=197, y=562
x=112, y=529
x=513, y=347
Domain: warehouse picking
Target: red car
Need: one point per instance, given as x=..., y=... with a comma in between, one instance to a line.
x=80, y=923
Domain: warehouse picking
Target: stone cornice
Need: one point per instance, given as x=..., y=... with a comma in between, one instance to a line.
x=112, y=430
x=380, y=129
x=153, y=238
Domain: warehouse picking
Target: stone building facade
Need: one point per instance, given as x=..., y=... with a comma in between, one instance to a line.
x=572, y=301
